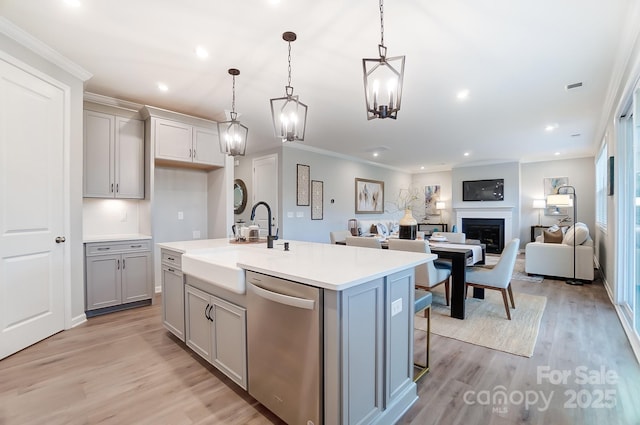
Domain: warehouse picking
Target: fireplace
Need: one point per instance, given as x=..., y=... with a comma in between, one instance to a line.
x=489, y=231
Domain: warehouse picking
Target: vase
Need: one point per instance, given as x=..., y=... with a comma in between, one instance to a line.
x=408, y=226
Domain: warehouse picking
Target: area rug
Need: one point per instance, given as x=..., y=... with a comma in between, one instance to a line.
x=518, y=270
x=486, y=322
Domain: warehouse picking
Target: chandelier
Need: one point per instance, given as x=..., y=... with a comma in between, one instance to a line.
x=383, y=102
x=289, y=115
x=232, y=134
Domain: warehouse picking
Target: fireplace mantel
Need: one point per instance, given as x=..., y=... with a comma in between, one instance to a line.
x=505, y=213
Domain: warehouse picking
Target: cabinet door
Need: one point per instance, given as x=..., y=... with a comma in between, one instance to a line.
x=198, y=326
x=173, y=301
x=136, y=273
x=103, y=281
x=129, y=158
x=173, y=140
x=99, y=145
x=206, y=147
x=229, y=343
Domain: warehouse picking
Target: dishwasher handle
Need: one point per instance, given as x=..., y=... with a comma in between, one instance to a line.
x=284, y=299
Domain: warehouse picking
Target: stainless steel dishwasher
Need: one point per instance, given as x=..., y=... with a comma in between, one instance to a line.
x=285, y=347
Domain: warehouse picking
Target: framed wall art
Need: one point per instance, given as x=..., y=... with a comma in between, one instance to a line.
x=431, y=196
x=369, y=196
x=302, y=184
x=551, y=186
x=317, y=199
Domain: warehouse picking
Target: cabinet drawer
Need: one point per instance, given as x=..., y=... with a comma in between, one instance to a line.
x=101, y=248
x=172, y=258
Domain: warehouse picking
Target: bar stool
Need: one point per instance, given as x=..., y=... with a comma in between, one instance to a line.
x=423, y=303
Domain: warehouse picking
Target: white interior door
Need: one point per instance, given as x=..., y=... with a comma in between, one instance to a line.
x=32, y=116
x=265, y=188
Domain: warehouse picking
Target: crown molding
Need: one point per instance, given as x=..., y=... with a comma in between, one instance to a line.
x=25, y=39
x=110, y=101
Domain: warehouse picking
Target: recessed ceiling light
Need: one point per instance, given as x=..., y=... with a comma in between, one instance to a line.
x=557, y=153
x=551, y=127
x=466, y=154
x=375, y=154
x=274, y=2
x=163, y=87
x=72, y=3
x=463, y=94
x=201, y=52
x=422, y=168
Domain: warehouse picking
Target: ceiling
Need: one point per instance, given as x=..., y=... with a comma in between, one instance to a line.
x=514, y=57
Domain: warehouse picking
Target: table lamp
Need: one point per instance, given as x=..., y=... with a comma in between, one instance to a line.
x=539, y=204
x=440, y=205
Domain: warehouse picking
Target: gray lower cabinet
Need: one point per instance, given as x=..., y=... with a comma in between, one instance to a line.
x=172, y=293
x=216, y=330
x=117, y=273
x=369, y=351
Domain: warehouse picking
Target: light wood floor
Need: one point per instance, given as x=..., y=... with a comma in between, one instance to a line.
x=124, y=368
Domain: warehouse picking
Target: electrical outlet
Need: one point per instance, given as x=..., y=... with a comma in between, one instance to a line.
x=396, y=307
x=299, y=214
x=290, y=214
x=123, y=216
x=196, y=234
x=180, y=215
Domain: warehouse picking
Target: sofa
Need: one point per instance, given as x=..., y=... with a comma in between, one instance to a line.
x=551, y=257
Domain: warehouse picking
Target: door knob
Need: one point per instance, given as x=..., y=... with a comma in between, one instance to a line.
x=60, y=239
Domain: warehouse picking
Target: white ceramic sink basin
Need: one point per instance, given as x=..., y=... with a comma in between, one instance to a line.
x=217, y=267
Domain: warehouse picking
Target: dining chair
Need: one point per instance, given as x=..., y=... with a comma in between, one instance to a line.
x=499, y=276
x=339, y=236
x=428, y=276
x=363, y=242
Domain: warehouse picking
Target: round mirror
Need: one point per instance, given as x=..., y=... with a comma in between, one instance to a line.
x=239, y=196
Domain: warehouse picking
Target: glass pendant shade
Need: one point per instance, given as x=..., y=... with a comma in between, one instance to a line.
x=233, y=136
x=288, y=114
x=383, y=85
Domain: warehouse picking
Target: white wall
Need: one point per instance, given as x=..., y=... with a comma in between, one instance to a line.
x=581, y=174
x=442, y=179
x=110, y=216
x=338, y=175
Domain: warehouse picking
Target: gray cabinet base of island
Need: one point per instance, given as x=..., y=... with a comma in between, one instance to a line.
x=363, y=346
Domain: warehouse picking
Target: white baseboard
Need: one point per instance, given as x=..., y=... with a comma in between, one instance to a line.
x=78, y=320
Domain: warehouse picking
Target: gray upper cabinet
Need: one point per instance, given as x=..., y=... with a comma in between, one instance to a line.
x=113, y=156
x=185, y=143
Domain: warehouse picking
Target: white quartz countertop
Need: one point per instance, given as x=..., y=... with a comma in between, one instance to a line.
x=115, y=238
x=335, y=267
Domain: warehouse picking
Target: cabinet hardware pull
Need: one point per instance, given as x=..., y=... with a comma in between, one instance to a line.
x=171, y=270
x=111, y=188
x=136, y=246
x=206, y=312
x=123, y=264
x=117, y=264
x=190, y=155
x=194, y=153
x=118, y=187
x=210, y=311
x=171, y=259
x=104, y=249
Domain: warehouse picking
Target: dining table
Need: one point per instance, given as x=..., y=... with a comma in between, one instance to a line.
x=459, y=256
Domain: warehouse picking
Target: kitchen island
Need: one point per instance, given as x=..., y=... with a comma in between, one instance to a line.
x=360, y=346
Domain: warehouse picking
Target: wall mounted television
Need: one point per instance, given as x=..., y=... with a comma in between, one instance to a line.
x=483, y=190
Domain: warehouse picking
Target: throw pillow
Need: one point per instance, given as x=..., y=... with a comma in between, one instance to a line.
x=579, y=232
x=552, y=236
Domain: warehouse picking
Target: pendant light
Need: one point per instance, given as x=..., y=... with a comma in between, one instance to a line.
x=232, y=134
x=289, y=115
x=383, y=80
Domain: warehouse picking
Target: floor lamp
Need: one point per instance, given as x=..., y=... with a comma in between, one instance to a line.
x=566, y=197
x=539, y=204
